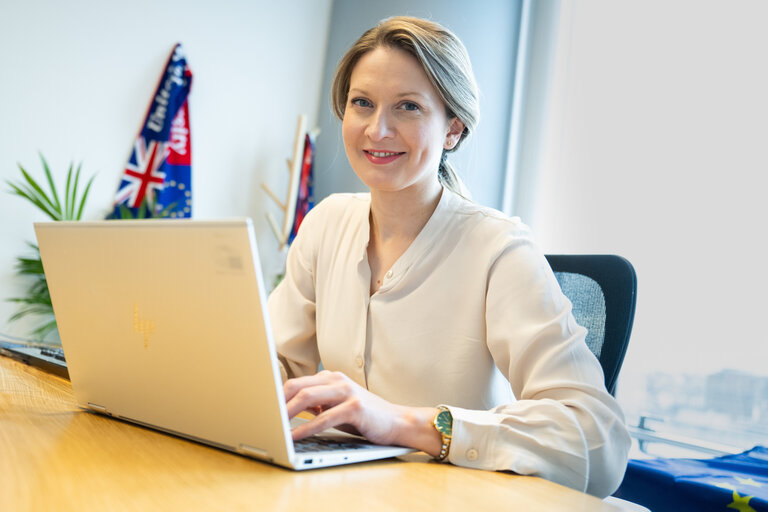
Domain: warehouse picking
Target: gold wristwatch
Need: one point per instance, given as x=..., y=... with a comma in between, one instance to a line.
x=443, y=423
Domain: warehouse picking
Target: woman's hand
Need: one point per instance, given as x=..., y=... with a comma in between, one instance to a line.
x=337, y=401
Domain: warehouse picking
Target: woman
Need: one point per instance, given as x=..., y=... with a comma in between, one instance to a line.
x=439, y=322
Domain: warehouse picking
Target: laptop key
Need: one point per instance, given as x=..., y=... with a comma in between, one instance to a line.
x=315, y=444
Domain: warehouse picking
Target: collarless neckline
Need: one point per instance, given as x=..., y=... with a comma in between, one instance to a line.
x=424, y=239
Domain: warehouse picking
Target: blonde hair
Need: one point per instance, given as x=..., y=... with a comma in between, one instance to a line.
x=445, y=62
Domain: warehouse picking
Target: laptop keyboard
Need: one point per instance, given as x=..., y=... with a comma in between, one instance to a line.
x=47, y=358
x=54, y=352
x=324, y=444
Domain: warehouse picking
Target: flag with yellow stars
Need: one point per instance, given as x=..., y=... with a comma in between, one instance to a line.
x=159, y=169
x=732, y=482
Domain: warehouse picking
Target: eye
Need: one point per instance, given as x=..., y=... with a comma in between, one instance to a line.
x=410, y=106
x=361, y=102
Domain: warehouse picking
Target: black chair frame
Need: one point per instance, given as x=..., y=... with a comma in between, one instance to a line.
x=618, y=280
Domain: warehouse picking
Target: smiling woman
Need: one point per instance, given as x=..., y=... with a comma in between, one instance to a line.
x=439, y=322
x=451, y=87
x=396, y=126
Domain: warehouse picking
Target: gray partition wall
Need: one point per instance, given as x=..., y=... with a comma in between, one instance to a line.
x=489, y=30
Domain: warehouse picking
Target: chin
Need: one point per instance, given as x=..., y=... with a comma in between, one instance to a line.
x=380, y=181
x=383, y=187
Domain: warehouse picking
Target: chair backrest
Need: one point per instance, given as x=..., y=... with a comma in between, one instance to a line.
x=603, y=290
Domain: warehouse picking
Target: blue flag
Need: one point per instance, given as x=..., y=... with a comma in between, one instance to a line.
x=732, y=482
x=159, y=170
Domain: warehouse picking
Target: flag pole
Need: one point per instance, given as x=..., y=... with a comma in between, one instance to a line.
x=293, y=184
x=289, y=206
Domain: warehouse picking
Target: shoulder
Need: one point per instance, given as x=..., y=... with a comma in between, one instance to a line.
x=482, y=224
x=498, y=243
x=333, y=218
x=335, y=207
x=339, y=205
x=516, y=265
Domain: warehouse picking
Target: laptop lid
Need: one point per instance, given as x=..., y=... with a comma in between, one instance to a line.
x=164, y=323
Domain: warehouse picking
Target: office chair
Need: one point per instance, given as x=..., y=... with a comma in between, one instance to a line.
x=603, y=290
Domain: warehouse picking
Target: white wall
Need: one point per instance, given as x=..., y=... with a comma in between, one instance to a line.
x=76, y=79
x=654, y=148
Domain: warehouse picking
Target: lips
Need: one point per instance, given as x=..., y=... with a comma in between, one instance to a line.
x=382, y=157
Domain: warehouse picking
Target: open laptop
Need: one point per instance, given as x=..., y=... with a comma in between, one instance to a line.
x=46, y=357
x=164, y=323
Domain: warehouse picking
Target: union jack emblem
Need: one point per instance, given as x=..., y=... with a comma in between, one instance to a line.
x=142, y=174
x=157, y=180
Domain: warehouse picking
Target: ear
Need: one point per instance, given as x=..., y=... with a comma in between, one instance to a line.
x=455, y=129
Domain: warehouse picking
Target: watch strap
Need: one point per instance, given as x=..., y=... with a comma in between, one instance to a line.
x=443, y=423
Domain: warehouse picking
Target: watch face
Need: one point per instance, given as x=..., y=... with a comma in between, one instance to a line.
x=444, y=422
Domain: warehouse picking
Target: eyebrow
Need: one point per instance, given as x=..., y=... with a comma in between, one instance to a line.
x=399, y=95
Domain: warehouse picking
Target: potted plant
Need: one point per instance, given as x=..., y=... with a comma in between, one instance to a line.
x=68, y=206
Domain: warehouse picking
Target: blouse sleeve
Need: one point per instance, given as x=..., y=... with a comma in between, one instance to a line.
x=564, y=426
x=292, y=307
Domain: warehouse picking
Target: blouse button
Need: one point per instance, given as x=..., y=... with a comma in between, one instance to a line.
x=472, y=454
x=389, y=274
x=359, y=361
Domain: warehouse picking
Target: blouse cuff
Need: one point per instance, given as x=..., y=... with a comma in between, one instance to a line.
x=467, y=448
x=478, y=442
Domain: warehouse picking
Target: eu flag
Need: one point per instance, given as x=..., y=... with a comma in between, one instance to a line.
x=159, y=169
x=732, y=482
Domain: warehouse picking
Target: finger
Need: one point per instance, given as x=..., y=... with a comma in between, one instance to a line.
x=293, y=386
x=323, y=396
x=349, y=429
x=347, y=414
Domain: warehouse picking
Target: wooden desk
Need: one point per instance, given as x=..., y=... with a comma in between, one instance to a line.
x=55, y=456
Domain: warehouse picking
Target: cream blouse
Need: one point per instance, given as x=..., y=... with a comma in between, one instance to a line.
x=470, y=316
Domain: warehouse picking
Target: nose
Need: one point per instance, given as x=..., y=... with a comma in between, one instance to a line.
x=379, y=125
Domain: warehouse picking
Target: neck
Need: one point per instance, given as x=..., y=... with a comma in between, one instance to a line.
x=402, y=214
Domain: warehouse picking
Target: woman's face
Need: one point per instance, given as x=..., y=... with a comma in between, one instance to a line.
x=395, y=124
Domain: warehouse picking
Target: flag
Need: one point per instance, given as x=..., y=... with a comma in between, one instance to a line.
x=159, y=169
x=305, y=200
x=732, y=482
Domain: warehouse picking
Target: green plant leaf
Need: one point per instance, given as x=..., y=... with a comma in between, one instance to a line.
x=51, y=183
x=142, y=211
x=67, y=198
x=85, y=196
x=40, y=290
x=72, y=200
x=166, y=212
x=148, y=209
x=32, y=309
x=125, y=212
x=33, y=198
x=29, y=266
x=42, y=331
x=40, y=193
x=74, y=188
x=38, y=300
